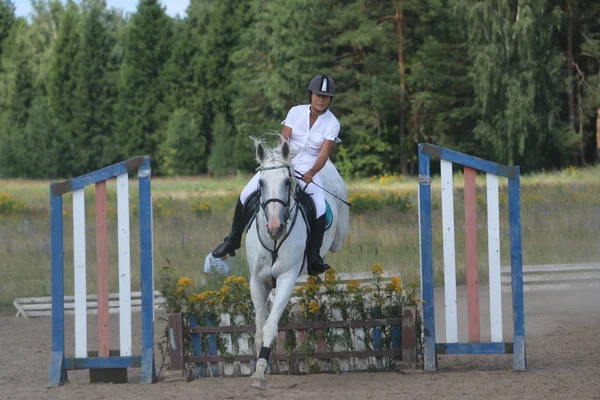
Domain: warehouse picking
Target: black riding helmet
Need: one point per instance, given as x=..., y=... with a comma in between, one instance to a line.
x=321, y=85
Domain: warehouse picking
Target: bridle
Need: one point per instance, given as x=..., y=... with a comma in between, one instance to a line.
x=287, y=216
x=263, y=205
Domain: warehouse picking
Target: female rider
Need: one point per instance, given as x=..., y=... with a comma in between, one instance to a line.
x=311, y=131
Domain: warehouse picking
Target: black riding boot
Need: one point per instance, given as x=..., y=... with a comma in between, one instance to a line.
x=316, y=265
x=233, y=241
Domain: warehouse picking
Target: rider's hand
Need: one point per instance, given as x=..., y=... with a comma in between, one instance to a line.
x=308, y=176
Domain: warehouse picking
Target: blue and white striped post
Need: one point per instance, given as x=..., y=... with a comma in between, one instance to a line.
x=474, y=346
x=60, y=363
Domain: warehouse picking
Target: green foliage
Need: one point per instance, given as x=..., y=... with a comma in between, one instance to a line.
x=7, y=19
x=184, y=148
x=9, y=204
x=96, y=91
x=141, y=114
x=513, y=82
x=363, y=202
x=517, y=82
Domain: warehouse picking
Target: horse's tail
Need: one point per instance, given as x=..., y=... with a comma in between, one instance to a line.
x=336, y=185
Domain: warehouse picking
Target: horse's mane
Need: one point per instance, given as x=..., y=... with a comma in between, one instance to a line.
x=271, y=153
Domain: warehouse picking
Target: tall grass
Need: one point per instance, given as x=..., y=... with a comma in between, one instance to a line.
x=560, y=224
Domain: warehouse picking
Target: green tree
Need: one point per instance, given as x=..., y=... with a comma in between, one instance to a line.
x=286, y=44
x=442, y=103
x=45, y=142
x=96, y=91
x=141, y=112
x=370, y=87
x=7, y=18
x=518, y=81
x=16, y=97
x=216, y=27
x=184, y=148
x=62, y=80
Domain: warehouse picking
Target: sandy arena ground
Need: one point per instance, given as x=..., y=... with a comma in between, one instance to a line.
x=563, y=358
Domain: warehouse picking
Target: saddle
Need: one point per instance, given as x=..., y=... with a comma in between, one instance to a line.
x=303, y=200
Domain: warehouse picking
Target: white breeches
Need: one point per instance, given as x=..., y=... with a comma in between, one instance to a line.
x=317, y=194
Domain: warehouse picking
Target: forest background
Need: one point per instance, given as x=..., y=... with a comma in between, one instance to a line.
x=83, y=86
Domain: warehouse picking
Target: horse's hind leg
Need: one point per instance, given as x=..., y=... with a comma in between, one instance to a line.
x=260, y=295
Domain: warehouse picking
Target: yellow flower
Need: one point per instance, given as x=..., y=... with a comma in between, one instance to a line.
x=184, y=282
x=353, y=285
x=314, y=307
x=200, y=297
x=312, y=280
x=395, y=285
x=234, y=279
x=377, y=269
x=330, y=275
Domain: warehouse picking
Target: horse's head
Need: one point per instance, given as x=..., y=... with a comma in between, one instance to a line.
x=276, y=185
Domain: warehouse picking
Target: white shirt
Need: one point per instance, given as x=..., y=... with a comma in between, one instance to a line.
x=219, y=264
x=305, y=142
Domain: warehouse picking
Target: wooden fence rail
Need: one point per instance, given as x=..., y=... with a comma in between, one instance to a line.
x=207, y=359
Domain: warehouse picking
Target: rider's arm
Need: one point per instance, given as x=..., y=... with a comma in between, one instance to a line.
x=286, y=132
x=320, y=163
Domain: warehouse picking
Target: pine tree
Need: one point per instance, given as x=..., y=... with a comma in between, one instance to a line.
x=370, y=93
x=287, y=43
x=183, y=150
x=518, y=80
x=442, y=110
x=45, y=142
x=7, y=18
x=96, y=91
x=141, y=111
x=16, y=96
x=62, y=80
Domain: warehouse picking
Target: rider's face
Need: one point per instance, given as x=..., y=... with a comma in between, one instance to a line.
x=319, y=103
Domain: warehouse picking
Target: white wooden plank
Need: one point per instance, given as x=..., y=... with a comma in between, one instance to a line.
x=227, y=366
x=493, y=211
x=243, y=345
x=562, y=268
x=124, y=265
x=449, y=252
x=111, y=296
x=79, y=273
x=152, y=254
x=541, y=278
x=89, y=305
x=420, y=249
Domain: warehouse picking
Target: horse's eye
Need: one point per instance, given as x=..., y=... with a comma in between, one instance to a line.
x=261, y=183
x=288, y=181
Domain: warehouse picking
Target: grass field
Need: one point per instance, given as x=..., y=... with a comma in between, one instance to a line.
x=560, y=224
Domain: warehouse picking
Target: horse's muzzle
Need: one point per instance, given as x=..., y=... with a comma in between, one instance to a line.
x=276, y=233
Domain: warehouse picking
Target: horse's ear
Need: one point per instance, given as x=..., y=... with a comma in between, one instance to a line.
x=260, y=152
x=285, y=150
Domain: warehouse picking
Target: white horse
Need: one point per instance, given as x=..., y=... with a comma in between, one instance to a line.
x=277, y=239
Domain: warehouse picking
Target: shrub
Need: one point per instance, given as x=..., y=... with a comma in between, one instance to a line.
x=9, y=205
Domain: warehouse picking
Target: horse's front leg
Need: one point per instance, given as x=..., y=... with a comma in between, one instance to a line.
x=260, y=294
x=285, y=287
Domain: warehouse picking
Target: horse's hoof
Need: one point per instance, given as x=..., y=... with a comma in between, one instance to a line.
x=258, y=383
